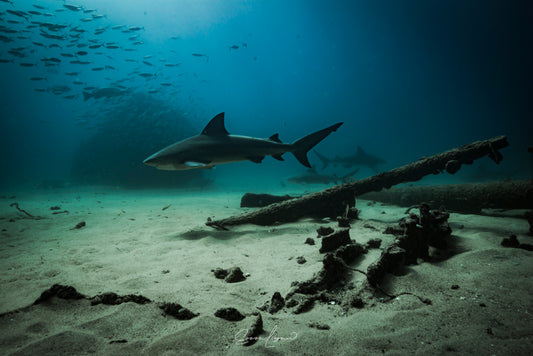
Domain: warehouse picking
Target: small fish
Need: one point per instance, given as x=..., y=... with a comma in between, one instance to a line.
x=35, y=6
x=51, y=59
x=172, y=64
x=112, y=47
x=201, y=55
x=135, y=28
x=117, y=27
x=27, y=64
x=72, y=7
x=148, y=63
x=147, y=75
x=5, y=39
x=94, y=46
x=36, y=79
x=67, y=55
x=38, y=44
x=97, y=69
x=18, y=13
x=233, y=47
x=82, y=53
x=33, y=12
x=86, y=19
x=72, y=73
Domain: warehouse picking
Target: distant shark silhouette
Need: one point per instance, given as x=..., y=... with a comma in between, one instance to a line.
x=360, y=158
x=312, y=177
x=216, y=146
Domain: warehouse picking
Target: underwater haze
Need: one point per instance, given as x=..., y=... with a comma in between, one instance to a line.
x=90, y=89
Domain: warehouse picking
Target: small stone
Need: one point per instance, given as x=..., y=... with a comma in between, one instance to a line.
x=455, y=286
x=310, y=241
x=301, y=260
x=79, y=225
x=319, y=326
x=235, y=275
x=220, y=273
x=276, y=303
x=511, y=241
x=324, y=230
x=177, y=311
x=229, y=314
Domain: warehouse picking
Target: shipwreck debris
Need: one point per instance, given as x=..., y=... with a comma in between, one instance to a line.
x=332, y=202
x=464, y=198
x=16, y=205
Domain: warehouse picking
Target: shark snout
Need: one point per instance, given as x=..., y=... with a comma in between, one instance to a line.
x=151, y=161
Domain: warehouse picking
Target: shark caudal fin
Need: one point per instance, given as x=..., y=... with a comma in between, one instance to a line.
x=303, y=145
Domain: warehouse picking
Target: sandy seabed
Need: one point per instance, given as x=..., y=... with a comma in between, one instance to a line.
x=155, y=244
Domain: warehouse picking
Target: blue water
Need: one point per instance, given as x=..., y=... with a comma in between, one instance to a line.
x=407, y=78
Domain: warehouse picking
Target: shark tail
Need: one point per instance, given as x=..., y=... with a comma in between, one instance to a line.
x=325, y=161
x=86, y=96
x=303, y=145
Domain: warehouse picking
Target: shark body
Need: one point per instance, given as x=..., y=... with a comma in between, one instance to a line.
x=313, y=177
x=216, y=146
x=360, y=158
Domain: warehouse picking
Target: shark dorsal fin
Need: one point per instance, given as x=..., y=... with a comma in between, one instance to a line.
x=216, y=127
x=275, y=138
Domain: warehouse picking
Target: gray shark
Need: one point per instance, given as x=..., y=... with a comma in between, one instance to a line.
x=216, y=146
x=360, y=158
x=313, y=177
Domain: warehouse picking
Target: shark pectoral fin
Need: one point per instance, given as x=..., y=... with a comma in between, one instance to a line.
x=194, y=164
x=278, y=157
x=256, y=159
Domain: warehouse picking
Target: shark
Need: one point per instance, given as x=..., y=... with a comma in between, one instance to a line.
x=360, y=158
x=313, y=177
x=214, y=146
